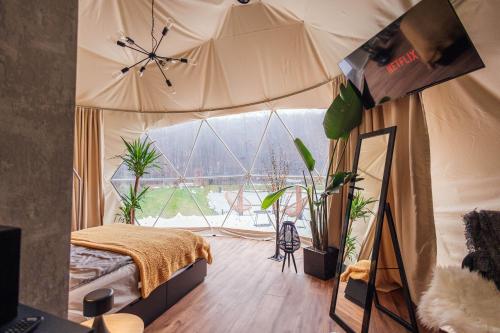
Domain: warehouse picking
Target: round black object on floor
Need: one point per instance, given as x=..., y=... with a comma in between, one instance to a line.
x=98, y=302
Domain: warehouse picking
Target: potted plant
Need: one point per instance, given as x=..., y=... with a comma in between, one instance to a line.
x=139, y=157
x=342, y=116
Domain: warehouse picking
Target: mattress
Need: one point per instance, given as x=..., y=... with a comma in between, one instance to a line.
x=92, y=269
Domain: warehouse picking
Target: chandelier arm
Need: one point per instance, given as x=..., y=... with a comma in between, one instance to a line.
x=147, y=62
x=143, y=49
x=158, y=45
x=161, y=70
x=153, y=39
x=165, y=58
x=138, y=62
x=133, y=48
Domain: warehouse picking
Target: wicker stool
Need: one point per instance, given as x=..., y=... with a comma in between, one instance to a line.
x=289, y=242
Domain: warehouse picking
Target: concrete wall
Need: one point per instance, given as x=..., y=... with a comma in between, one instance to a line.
x=37, y=96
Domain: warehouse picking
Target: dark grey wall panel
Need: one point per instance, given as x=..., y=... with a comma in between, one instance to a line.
x=37, y=97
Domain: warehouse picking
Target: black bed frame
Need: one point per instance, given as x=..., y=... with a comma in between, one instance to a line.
x=169, y=293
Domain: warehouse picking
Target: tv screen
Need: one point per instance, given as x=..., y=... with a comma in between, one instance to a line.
x=425, y=46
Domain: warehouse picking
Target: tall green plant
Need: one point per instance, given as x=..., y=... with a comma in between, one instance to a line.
x=139, y=156
x=344, y=114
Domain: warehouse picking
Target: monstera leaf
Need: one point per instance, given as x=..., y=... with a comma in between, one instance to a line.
x=344, y=113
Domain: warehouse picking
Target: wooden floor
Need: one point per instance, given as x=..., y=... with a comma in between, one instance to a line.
x=246, y=292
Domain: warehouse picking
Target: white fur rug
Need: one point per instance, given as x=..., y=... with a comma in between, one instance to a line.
x=461, y=299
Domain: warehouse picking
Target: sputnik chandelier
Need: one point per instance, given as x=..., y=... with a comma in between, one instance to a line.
x=150, y=56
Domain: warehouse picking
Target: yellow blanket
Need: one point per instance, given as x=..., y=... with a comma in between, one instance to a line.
x=157, y=252
x=358, y=271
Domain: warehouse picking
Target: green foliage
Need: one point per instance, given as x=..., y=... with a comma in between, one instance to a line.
x=359, y=207
x=139, y=156
x=338, y=180
x=271, y=198
x=350, y=246
x=131, y=201
x=359, y=210
x=306, y=155
x=344, y=114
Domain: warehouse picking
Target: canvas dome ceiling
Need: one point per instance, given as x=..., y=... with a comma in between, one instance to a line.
x=245, y=54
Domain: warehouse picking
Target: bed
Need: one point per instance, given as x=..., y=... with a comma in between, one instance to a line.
x=149, y=269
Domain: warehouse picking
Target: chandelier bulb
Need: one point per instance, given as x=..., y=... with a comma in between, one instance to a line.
x=170, y=87
x=121, y=73
x=141, y=71
x=169, y=23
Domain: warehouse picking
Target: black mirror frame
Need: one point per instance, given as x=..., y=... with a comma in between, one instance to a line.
x=380, y=217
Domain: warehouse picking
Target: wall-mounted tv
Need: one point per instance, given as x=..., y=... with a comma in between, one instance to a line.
x=425, y=46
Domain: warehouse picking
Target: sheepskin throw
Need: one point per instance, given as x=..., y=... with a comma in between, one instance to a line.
x=461, y=299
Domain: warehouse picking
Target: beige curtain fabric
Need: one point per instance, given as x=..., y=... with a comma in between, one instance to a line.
x=88, y=198
x=410, y=193
x=463, y=116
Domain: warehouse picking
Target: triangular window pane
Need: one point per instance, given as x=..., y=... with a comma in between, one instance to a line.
x=176, y=142
x=307, y=125
x=246, y=213
x=182, y=211
x=242, y=133
x=159, y=194
x=215, y=196
x=211, y=158
x=277, y=142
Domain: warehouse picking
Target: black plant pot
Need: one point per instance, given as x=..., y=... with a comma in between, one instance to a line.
x=355, y=291
x=320, y=264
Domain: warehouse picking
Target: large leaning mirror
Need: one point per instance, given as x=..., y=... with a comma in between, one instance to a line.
x=354, y=286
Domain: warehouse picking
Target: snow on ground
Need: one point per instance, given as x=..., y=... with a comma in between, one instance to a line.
x=254, y=219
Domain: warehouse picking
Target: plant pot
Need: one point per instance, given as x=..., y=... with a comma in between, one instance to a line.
x=319, y=263
x=355, y=291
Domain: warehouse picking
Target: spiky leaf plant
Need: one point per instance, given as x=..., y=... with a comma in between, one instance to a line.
x=359, y=210
x=139, y=157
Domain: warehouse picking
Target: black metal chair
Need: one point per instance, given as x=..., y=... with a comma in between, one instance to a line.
x=289, y=242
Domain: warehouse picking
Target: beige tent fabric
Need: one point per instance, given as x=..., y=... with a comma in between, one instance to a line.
x=410, y=193
x=245, y=53
x=463, y=117
x=87, y=162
